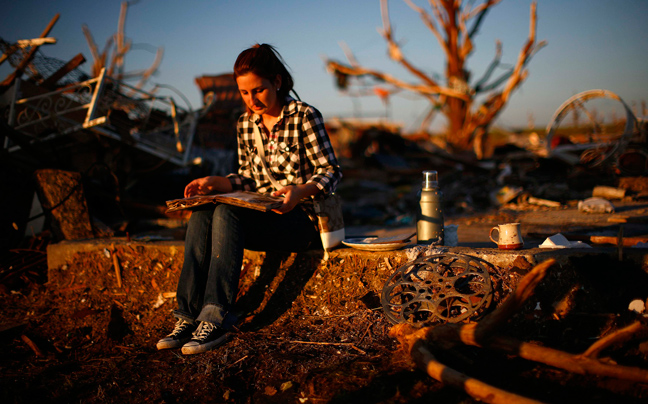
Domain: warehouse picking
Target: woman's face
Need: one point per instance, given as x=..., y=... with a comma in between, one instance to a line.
x=259, y=94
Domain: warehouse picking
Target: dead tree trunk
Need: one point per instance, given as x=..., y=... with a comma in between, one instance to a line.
x=454, y=24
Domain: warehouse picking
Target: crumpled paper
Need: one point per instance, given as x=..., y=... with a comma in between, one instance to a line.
x=560, y=241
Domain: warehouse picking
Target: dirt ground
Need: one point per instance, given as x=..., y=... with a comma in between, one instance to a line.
x=80, y=340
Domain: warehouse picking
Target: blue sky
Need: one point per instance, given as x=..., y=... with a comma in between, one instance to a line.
x=591, y=44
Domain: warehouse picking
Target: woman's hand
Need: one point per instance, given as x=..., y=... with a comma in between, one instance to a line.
x=293, y=194
x=207, y=185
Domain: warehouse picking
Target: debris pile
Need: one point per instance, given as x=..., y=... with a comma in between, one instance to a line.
x=132, y=148
x=426, y=344
x=102, y=156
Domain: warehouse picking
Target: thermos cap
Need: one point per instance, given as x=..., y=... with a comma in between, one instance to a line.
x=430, y=179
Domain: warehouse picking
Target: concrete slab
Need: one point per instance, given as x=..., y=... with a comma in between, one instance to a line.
x=537, y=223
x=60, y=254
x=473, y=240
x=349, y=280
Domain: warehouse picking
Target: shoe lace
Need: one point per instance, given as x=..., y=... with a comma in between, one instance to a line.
x=180, y=326
x=204, y=330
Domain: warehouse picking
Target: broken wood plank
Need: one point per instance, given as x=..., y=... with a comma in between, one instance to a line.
x=419, y=343
x=23, y=43
x=601, y=191
x=619, y=336
x=28, y=58
x=72, y=64
x=614, y=240
x=543, y=202
x=579, y=364
x=627, y=219
x=473, y=387
x=8, y=53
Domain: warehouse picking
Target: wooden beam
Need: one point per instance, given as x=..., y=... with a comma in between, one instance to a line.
x=95, y=96
x=28, y=58
x=75, y=62
x=8, y=53
x=23, y=43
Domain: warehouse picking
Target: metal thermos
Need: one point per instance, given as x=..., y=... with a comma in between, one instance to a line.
x=429, y=220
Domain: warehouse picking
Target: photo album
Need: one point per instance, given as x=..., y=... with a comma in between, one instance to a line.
x=246, y=199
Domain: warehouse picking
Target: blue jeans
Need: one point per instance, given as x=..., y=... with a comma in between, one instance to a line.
x=214, y=244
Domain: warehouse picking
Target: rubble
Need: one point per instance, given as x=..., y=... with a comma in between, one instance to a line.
x=423, y=345
x=596, y=205
x=311, y=330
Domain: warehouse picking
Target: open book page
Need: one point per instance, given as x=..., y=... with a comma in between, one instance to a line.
x=246, y=199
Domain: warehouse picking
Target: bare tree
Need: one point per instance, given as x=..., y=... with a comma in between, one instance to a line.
x=454, y=24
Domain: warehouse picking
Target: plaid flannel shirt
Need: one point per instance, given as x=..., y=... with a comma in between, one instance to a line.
x=298, y=151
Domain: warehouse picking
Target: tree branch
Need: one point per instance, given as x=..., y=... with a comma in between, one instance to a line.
x=429, y=22
x=120, y=36
x=421, y=89
x=428, y=118
x=563, y=360
x=493, y=105
x=466, y=47
x=491, y=68
x=436, y=9
x=481, y=12
x=453, y=23
x=526, y=52
x=153, y=68
x=394, y=50
x=93, y=49
x=622, y=335
x=473, y=387
x=348, y=54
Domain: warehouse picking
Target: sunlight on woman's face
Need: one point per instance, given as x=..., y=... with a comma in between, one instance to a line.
x=259, y=94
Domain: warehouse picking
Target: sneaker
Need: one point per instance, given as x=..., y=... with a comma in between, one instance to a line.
x=207, y=336
x=181, y=334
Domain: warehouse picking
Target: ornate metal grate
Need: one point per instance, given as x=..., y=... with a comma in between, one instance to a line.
x=446, y=287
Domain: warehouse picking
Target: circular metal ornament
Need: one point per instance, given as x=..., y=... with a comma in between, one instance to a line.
x=445, y=287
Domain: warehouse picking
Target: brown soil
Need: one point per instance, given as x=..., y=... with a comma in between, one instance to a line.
x=80, y=339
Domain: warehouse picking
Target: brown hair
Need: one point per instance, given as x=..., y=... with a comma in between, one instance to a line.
x=264, y=61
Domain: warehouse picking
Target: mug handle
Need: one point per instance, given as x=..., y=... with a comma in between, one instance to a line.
x=490, y=235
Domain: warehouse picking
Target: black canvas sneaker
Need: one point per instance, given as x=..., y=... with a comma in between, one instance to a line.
x=181, y=334
x=207, y=336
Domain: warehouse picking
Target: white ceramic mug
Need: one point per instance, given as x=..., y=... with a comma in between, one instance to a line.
x=509, y=236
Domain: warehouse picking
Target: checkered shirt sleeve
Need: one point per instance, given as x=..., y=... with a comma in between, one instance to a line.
x=298, y=152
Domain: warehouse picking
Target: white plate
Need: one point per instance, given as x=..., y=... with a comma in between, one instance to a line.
x=366, y=245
